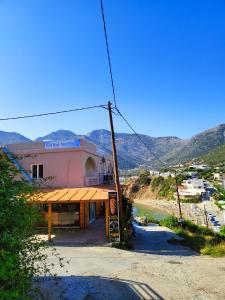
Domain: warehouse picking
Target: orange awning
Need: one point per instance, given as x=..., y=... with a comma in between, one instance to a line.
x=62, y=195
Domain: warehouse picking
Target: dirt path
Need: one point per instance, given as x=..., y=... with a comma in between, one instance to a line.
x=155, y=270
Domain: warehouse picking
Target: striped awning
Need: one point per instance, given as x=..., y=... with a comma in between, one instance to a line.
x=62, y=195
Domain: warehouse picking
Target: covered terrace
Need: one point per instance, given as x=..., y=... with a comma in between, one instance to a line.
x=72, y=207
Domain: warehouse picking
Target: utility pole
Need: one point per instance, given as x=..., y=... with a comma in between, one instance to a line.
x=178, y=198
x=206, y=217
x=116, y=172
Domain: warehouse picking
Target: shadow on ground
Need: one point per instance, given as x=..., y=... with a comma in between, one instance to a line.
x=154, y=240
x=91, y=288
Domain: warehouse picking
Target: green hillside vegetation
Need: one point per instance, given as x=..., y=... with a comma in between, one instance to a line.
x=216, y=156
x=162, y=187
x=201, y=239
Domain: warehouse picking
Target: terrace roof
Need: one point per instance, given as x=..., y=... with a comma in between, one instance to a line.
x=63, y=195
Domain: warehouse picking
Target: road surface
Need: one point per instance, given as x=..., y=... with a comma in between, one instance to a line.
x=155, y=270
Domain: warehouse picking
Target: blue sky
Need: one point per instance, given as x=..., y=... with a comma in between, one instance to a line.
x=168, y=62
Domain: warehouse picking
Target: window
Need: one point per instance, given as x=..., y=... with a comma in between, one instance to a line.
x=37, y=171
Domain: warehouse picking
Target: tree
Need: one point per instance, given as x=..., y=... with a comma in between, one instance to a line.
x=144, y=178
x=21, y=252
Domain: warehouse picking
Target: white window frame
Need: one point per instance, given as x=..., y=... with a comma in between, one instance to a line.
x=31, y=167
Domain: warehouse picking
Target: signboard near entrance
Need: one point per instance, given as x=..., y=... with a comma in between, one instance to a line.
x=114, y=226
x=62, y=144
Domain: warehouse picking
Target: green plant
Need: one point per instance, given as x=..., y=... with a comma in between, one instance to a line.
x=214, y=250
x=199, y=238
x=144, y=177
x=21, y=252
x=222, y=231
x=191, y=199
x=170, y=222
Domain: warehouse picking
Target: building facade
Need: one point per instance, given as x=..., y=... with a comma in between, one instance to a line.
x=73, y=179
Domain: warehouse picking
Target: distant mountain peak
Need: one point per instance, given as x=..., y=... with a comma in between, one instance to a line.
x=58, y=135
x=12, y=138
x=132, y=153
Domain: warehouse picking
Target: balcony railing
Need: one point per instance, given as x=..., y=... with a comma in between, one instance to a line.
x=103, y=179
x=89, y=181
x=107, y=179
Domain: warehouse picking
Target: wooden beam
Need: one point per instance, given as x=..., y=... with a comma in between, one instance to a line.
x=49, y=222
x=107, y=219
x=82, y=215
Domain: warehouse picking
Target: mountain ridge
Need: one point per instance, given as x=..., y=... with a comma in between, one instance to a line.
x=131, y=152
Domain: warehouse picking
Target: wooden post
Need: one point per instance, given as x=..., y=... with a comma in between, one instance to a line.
x=206, y=217
x=82, y=215
x=49, y=221
x=107, y=219
x=178, y=198
x=116, y=172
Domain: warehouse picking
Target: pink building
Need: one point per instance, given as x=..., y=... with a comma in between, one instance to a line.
x=74, y=179
x=64, y=163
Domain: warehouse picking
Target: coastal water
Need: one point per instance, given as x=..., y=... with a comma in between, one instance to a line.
x=145, y=210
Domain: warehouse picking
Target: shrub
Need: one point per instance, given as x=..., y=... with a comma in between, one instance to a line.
x=190, y=199
x=144, y=178
x=214, y=250
x=21, y=252
x=170, y=222
x=222, y=231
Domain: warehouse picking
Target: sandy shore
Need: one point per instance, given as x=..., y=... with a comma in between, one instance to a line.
x=171, y=207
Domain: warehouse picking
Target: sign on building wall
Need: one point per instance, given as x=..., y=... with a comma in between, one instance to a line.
x=62, y=144
x=114, y=226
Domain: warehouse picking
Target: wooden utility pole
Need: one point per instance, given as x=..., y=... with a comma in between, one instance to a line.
x=115, y=162
x=49, y=221
x=206, y=217
x=178, y=198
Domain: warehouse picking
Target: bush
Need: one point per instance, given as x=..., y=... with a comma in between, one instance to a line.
x=222, y=231
x=21, y=253
x=199, y=238
x=170, y=222
x=191, y=199
x=214, y=250
x=144, y=178
x=190, y=226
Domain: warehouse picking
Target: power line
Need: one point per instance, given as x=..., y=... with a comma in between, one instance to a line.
x=140, y=139
x=52, y=113
x=108, y=54
x=164, y=164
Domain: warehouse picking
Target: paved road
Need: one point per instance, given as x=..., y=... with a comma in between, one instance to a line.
x=153, y=270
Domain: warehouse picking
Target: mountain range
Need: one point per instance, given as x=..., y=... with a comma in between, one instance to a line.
x=131, y=152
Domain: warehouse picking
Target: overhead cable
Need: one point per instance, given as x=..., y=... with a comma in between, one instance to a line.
x=52, y=113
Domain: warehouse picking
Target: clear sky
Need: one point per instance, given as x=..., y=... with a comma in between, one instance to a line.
x=168, y=61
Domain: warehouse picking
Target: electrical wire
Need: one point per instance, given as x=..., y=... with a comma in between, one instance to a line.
x=140, y=138
x=52, y=113
x=108, y=54
x=156, y=157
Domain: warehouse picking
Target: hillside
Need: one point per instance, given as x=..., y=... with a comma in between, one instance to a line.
x=216, y=156
x=132, y=153
x=198, y=145
x=12, y=138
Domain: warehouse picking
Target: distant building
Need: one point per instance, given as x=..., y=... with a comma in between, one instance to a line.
x=167, y=174
x=192, y=188
x=154, y=173
x=200, y=167
x=223, y=184
x=219, y=176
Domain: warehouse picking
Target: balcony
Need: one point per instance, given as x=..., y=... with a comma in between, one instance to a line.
x=107, y=179
x=90, y=181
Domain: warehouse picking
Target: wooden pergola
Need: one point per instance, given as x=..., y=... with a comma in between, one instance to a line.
x=81, y=195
